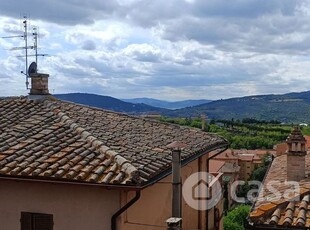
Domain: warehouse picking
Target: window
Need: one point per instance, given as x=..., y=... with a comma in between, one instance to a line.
x=36, y=221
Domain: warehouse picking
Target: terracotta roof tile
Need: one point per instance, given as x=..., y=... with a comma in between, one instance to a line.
x=57, y=140
x=283, y=212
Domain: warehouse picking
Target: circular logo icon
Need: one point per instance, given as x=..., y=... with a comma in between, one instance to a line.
x=202, y=191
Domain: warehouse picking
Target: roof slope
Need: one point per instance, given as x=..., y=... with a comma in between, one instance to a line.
x=57, y=140
x=289, y=206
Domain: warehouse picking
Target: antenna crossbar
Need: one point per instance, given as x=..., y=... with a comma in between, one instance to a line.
x=33, y=55
x=16, y=36
x=22, y=48
x=27, y=47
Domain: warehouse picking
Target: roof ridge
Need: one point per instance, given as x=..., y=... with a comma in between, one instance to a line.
x=92, y=107
x=129, y=115
x=123, y=163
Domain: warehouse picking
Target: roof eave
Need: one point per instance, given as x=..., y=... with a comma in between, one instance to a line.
x=131, y=187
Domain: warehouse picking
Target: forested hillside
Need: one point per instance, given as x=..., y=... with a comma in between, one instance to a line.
x=292, y=107
x=110, y=103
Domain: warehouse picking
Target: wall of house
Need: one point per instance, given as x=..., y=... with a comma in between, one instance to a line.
x=154, y=207
x=249, y=169
x=242, y=171
x=246, y=169
x=232, y=178
x=72, y=206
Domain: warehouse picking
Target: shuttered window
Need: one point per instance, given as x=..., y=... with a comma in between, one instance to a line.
x=25, y=221
x=36, y=221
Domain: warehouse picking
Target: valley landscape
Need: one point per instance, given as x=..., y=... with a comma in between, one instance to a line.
x=286, y=108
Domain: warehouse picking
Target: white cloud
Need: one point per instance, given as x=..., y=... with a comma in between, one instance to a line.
x=163, y=49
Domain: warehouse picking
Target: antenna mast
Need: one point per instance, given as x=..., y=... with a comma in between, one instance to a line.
x=35, y=37
x=26, y=47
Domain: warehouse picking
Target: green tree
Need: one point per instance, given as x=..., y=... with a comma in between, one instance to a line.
x=236, y=219
x=229, y=225
x=260, y=172
x=249, y=134
x=243, y=190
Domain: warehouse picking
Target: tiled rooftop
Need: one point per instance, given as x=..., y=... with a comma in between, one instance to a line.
x=291, y=214
x=58, y=140
x=244, y=154
x=290, y=207
x=228, y=154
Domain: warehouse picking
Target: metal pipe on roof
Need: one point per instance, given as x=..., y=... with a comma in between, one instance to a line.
x=184, y=162
x=176, y=147
x=200, y=163
x=176, y=184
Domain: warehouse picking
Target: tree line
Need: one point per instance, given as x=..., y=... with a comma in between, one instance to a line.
x=242, y=134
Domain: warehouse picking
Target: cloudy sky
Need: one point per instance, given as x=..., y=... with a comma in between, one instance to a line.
x=173, y=50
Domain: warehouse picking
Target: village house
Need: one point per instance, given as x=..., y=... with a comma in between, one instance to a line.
x=283, y=200
x=230, y=169
x=243, y=161
x=238, y=164
x=68, y=166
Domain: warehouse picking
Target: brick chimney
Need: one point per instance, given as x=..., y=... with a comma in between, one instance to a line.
x=39, y=84
x=296, y=153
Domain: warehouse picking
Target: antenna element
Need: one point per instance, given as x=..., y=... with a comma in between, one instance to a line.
x=33, y=67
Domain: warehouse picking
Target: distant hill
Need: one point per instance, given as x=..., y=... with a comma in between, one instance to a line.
x=291, y=107
x=109, y=103
x=288, y=108
x=167, y=104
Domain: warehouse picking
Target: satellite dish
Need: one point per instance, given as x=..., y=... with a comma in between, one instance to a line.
x=32, y=68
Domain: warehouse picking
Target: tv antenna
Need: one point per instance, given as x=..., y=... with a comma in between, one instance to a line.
x=27, y=47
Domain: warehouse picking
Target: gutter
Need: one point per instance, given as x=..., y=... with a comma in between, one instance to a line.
x=207, y=169
x=123, y=209
x=67, y=182
x=159, y=177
